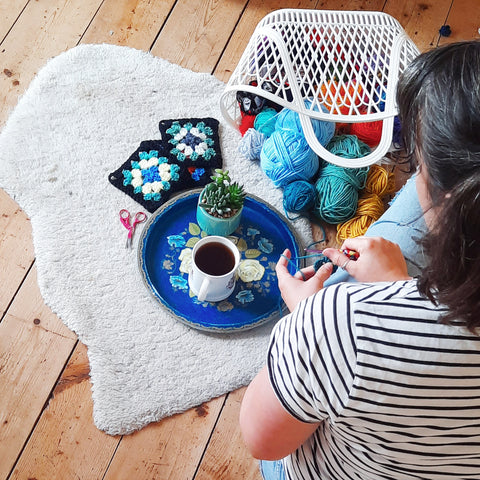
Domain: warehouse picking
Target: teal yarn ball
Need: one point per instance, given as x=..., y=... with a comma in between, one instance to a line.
x=290, y=120
x=265, y=121
x=299, y=196
x=348, y=146
x=286, y=157
x=337, y=192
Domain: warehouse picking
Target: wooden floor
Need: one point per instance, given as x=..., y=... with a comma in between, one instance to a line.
x=46, y=428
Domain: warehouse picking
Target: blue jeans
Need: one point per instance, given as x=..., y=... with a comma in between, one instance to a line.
x=402, y=223
x=272, y=470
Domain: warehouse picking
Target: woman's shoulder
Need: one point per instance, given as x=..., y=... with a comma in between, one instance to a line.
x=380, y=291
x=374, y=301
x=390, y=305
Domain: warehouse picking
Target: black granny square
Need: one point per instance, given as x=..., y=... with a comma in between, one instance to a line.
x=151, y=175
x=192, y=141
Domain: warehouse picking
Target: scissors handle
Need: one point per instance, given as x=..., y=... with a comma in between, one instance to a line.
x=125, y=218
x=351, y=254
x=140, y=217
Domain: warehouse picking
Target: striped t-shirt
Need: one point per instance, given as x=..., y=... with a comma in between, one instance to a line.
x=397, y=393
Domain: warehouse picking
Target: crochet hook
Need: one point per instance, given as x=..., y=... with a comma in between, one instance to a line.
x=351, y=254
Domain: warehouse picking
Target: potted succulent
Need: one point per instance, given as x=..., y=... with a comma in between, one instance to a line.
x=220, y=205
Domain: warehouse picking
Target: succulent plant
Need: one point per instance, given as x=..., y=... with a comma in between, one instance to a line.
x=222, y=197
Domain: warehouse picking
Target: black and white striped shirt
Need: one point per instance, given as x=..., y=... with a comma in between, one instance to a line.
x=397, y=393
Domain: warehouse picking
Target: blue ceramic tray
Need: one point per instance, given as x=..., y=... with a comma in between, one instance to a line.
x=165, y=250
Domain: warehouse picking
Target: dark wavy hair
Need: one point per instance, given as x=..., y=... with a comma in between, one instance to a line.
x=438, y=98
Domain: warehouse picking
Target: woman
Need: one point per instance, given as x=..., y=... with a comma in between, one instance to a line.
x=381, y=380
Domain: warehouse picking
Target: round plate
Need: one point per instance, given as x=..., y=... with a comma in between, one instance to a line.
x=164, y=256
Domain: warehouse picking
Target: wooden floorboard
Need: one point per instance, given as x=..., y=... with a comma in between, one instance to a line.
x=34, y=345
x=46, y=427
x=132, y=23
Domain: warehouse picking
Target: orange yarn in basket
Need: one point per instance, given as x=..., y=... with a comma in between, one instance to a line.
x=333, y=92
x=370, y=206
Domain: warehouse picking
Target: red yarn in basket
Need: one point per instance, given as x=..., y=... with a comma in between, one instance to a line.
x=246, y=123
x=368, y=132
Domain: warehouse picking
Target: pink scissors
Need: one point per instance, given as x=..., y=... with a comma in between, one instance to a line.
x=125, y=218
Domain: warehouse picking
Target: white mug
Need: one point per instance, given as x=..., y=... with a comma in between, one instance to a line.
x=215, y=261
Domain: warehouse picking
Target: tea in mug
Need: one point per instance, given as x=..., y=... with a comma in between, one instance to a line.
x=215, y=258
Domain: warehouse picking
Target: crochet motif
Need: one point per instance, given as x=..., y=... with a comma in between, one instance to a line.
x=192, y=141
x=150, y=175
x=156, y=171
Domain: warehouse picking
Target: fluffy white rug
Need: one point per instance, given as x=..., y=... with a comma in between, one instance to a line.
x=83, y=115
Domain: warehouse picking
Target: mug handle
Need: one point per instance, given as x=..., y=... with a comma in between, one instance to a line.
x=202, y=293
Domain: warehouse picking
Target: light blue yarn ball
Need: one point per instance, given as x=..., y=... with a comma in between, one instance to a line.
x=286, y=157
x=337, y=192
x=251, y=144
x=265, y=121
x=290, y=120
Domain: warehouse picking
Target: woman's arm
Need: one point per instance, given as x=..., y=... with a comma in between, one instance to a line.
x=268, y=430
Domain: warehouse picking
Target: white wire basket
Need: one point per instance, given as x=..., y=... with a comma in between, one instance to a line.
x=346, y=61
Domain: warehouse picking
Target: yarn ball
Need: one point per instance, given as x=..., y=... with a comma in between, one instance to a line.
x=379, y=181
x=368, y=132
x=337, y=192
x=250, y=103
x=251, y=144
x=445, y=31
x=368, y=211
x=322, y=261
x=397, y=133
x=339, y=99
x=379, y=97
x=370, y=206
x=265, y=121
x=348, y=146
x=286, y=157
x=246, y=123
x=290, y=120
x=270, y=87
x=299, y=196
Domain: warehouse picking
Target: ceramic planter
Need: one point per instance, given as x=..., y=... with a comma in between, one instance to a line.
x=216, y=225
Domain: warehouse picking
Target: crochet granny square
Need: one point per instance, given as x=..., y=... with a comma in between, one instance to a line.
x=192, y=141
x=151, y=175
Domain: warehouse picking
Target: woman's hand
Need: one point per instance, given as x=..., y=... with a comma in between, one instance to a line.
x=295, y=288
x=380, y=260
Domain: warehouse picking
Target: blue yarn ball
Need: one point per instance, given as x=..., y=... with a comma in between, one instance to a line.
x=265, y=121
x=379, y=97
x=286, y=157
x=445, y=31
x=322, y=261
x=299, y=196
x=337, y=192
x=251, y=144
x=397, y=133
x=290, y=120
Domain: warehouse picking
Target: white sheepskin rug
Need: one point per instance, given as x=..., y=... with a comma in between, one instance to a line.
x=83, y=115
